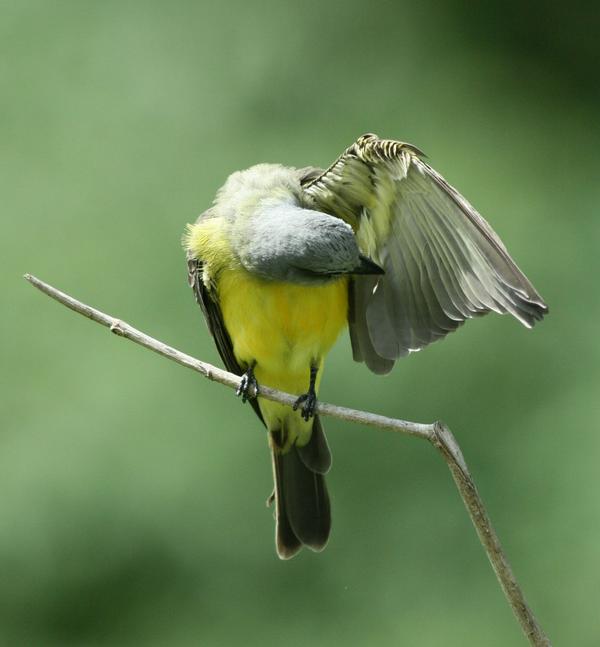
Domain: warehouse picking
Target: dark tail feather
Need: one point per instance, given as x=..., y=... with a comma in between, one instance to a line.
x=315, y=454
x=302, y=506
x=286, y=541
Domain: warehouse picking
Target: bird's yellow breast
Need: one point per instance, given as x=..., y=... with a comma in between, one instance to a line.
x=283, y=327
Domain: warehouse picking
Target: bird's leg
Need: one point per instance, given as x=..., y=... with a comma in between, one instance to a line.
x=248, y=387
x=309, y=400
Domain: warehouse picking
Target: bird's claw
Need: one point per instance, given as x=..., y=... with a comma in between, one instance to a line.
x=248, y=387
x=309, y=404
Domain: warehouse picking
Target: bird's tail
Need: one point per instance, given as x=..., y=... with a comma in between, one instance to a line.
x=302, y=509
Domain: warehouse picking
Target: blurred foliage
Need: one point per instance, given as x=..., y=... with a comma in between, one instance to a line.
x=132, y=491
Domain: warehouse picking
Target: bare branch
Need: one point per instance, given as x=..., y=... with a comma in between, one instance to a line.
x=436, y=433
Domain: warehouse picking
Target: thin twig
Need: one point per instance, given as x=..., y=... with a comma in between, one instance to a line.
x=436, y=433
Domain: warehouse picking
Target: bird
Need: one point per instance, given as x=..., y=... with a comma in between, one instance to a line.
x=287, y=258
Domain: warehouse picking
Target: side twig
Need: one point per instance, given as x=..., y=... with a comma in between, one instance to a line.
x=436, y=433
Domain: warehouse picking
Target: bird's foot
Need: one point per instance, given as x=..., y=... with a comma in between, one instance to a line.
x=309, y=404
x=248, y=387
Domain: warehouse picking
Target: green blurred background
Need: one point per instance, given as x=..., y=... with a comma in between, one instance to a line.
x=131, y=490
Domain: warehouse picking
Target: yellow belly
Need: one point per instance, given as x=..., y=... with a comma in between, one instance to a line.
x=283, y=328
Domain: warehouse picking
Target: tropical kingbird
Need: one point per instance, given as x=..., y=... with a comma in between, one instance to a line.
x=286, y=257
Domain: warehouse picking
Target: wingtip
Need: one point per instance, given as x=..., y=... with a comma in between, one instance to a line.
x=534, y=307
x=542, y=311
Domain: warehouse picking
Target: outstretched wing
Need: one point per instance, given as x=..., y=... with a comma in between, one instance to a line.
x=443, y=262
